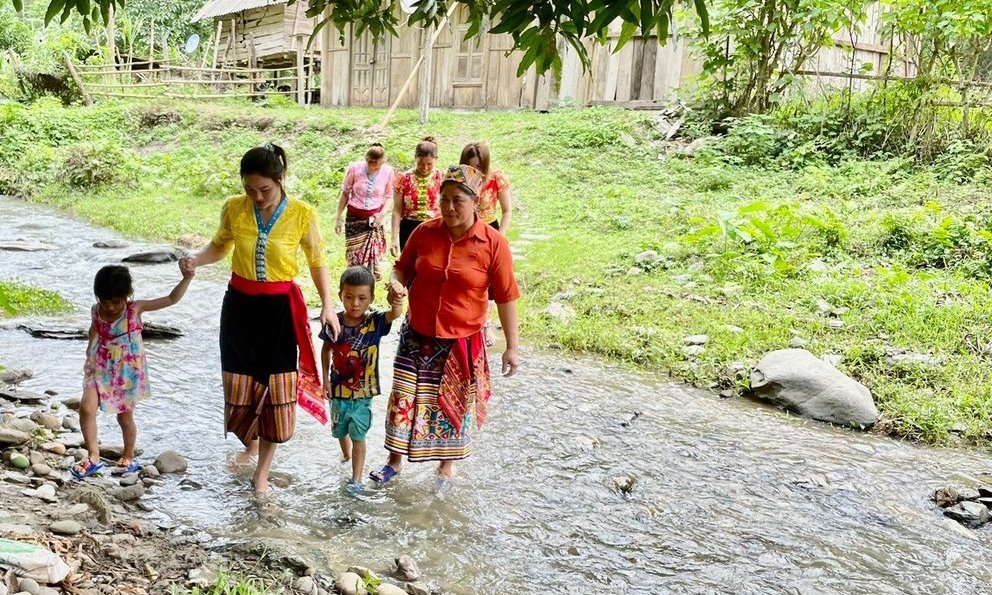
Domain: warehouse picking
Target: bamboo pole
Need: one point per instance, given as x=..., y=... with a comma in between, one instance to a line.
x=151, y=47
x=301, y=92
x=220, y=30
x=75, y=77
x=425, y=74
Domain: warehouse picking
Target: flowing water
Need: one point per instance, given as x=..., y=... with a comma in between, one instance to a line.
x=730, y=496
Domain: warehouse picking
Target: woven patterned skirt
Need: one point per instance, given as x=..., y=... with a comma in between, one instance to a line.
x=416, y=426
x=364, y=244
x=258, y=355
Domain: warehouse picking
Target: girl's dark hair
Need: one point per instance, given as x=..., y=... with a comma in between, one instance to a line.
x=112, y=282
x=476, y=151
x=268, y=161
x=375, y=152
x=427, y=147
x=357, y=276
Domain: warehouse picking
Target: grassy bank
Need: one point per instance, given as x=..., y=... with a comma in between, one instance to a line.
x=17, y=299
x=866, y=260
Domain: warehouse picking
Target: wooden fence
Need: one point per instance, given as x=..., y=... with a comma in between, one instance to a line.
x=152, y=79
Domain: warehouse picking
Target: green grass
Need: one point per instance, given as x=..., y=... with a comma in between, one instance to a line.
x=900, y=254
x=17, y=299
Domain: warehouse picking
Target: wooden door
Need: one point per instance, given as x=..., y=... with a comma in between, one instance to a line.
x=369, y=71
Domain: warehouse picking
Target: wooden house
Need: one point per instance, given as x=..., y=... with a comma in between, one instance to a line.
x=260, y=33
x=480, y=73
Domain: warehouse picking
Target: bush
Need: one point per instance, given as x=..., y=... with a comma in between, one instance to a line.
x=93, y=164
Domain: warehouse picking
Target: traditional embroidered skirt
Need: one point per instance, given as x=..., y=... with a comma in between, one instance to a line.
x=429, y=389
x=364, y=244
x=263, y=362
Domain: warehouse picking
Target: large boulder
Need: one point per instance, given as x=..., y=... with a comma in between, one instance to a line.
x=798, y=381
x=153, y=257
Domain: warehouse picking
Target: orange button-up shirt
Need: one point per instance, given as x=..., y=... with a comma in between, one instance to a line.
x=449, y=280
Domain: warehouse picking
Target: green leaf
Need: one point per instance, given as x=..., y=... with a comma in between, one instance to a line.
x=18, y=5
x=627, y=31
x=704, y=16
x=54, y=7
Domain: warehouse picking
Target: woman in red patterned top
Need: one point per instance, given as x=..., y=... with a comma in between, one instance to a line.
x=495, y=191
x=495, y=187
x=416, y=194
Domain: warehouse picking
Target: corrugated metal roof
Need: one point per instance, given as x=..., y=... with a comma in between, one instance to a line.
x=219, y=8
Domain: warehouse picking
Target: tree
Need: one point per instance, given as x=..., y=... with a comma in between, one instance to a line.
x=536, y=26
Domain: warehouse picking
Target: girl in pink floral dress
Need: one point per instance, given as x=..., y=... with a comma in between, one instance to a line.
x=115, y=376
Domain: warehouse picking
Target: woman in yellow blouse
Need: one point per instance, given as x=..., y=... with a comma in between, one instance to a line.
x=266, y=349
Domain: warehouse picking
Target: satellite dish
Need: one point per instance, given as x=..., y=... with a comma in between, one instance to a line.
x=408, y=6
x=192, y=43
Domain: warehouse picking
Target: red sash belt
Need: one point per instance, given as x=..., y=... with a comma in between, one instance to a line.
x=362, y=213
x=308, y=392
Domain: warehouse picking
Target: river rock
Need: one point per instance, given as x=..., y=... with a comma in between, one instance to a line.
x=280, y=479
x=55, y=448
x=19, y=461
x=986, y=502
x=41, y=470
x=67, y=528
x=129, y=480
x=647, y=259
x=153, y=257
x=23, y=424
x=13, y=436
x=71, y=423
x=149, y=471
x=42, y=331
x=798, y=381
x=27, y=585
x=45, y=492
x=797, y=343
x=968, y=494
x=115, y=451
x=36, y=458
x=24, y=246
x=969, y=514
x=71, y=403
x=388, y=589
x=24, y=397
x=110, y=244
x=152, y=330
x=72, y=440
x=170, y=461
x=15, y=376
x=413, y=589
x=985, y=491
x=305, y=584
x=945, y=497
x=693, y=350
x=350, y=583
x=47, y=420
x=130, y=493
x=696, y=340
x=406, y=569
x=15, y=477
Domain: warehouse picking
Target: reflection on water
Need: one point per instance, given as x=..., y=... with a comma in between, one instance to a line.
x=729, y=496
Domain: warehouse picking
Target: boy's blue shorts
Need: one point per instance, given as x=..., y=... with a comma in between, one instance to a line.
x=351, y=417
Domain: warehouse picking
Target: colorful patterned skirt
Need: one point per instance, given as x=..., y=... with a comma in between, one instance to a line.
x=426, y=385
x=364, y=244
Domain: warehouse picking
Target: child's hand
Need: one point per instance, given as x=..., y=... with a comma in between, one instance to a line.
x=187, y=266
x=396, y=292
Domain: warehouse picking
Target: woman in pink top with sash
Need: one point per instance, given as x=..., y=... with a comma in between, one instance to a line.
x=368, y=187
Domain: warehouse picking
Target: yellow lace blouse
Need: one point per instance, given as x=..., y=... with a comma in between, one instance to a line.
x=270, y=256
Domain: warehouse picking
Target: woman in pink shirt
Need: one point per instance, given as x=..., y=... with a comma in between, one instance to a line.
x=368, y=187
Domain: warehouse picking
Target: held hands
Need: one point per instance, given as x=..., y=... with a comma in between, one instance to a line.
x=396, y=293
x=511, y=361
x=378, y=220
x=187, y=266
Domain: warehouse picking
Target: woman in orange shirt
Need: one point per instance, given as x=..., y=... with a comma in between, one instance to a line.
x=441, y=384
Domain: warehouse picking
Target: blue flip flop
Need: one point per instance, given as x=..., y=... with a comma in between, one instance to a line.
x=133, y=467
x=89, y=469
x=383, y=475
